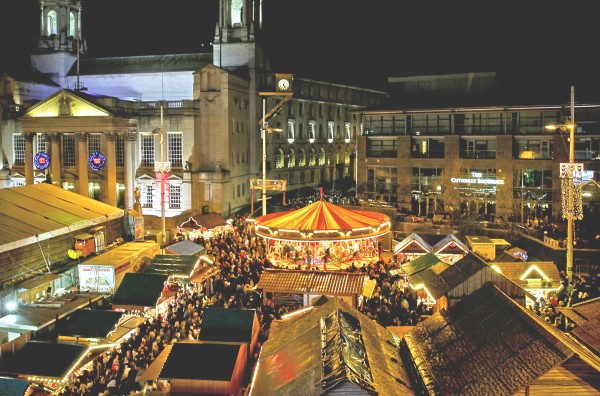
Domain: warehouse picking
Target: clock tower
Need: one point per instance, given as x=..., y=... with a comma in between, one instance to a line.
x=60, y=38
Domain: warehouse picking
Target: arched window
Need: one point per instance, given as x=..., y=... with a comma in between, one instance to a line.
x=52, y=23
x=291, y=158
x=312, y=157
x=322, y=156
x=279, y=159
x=302, y=158
x=347, y=157
x=291, y=130
x=72, y=25
x=330, y=160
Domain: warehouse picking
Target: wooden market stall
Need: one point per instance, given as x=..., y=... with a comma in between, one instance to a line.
x=450, y=248
x=411, y=247
x=97, y=326
x=298, y=287
x=140, y=292
x=538, y=278
x=239, y=326
x=185, y=248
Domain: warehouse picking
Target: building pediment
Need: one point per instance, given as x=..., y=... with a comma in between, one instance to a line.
x=66, y=103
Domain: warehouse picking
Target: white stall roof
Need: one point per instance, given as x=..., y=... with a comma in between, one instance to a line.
x=38, y=212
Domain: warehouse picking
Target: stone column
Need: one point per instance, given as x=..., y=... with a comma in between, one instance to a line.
x=129, y=139
x=110, y=185
x=55, y=158
x=28, y=157
x=82, y=163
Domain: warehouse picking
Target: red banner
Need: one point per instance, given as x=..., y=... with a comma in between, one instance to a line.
x=163, y=187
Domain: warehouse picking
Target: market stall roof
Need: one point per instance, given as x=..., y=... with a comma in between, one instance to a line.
x=13, y=386
x=185, y=248
x=139, y=290
x=208, y=221
x=422, y=263
x=170, y=265
x=412, y=243
x=89, y=323
x=45, y=359
x=520, y=270
x=450, y=243
x=587, y=317
x=213, y=362
x=38, y=212
x=292, y=360
x=316, y=282
x=487, y=344
x=322, y=221
x=204, y=271
x=228, y=325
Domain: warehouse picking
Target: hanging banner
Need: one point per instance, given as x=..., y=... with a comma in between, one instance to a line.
x=163, y=186
x=271, y=184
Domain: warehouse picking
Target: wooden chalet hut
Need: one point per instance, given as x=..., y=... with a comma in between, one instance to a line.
x=139, y=292
x=184, y=248
x=197, y=367
x=411, y=247
x=298, y=287
x=239, y=326
x=96, y=326
x=586, y=316
x=467, y=275
x=487, y=344
x=450, y=248
x=537, y=277
x=45, y=362
x=329, y=349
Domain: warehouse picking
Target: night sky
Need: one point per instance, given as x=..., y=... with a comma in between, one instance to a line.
x=360, y=41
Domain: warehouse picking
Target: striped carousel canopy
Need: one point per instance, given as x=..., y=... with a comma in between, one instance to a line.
x=322, y=221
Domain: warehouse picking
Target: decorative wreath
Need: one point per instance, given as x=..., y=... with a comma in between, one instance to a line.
x=41, y=160
x=97, y=161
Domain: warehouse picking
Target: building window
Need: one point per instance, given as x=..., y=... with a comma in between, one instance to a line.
x=534, y=148
x=311, y=131
x=290, y=108
x=347, y=132
x=68, y=149
x=301, y=131
x=17, y=182
x=322, y=157
x=94, y=191
x=239, y=190
x=320, y=110
x=291, y=158
x=427, y=148
x=175, y=148
x=312, y=158
x=330, y=131
x=302, y=158
x=300, y=109
x=72, y=24
x=382, y=147
x=175, y=196
x=279, y=159
x=52, y=23
x=478, y=148
x=347, y=157
x=120, y=150
x=94, y=142
x=382, y=183
x=338, y=112
x=18, y=149
x=147, y=150
x=41, y=142
x=291, y=130
x=147, y=195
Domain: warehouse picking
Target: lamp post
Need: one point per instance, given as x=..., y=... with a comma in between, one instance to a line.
x=162, y=168
x=568, y=171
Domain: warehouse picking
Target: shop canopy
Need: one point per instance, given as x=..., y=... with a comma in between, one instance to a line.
x=322, y=221
x=176, y=266
x=185, y=247
x=139, y=291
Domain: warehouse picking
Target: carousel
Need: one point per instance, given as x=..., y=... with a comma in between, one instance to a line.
x=322, y=235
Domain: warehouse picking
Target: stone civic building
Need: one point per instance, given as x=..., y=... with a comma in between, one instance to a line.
x=94, y=126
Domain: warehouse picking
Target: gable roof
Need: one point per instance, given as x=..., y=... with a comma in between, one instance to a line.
x=486, y=344
x=421, y=263
x=143, y=64
x=441, y=283
x=185, y=248
x=42, y=211
x=142, y=290
x=79, y=104
x=45, y=359
x=450, y=242
x=172, y=265
x=89, y=323
x=227, y=325
x=516, y=270
x=413, y=242
x=290, y=362
x=587, y=317
x=300, y=281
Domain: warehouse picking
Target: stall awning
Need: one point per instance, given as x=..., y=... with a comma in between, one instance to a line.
x=170, y=265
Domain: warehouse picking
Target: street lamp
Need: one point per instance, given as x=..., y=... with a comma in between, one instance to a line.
x=264, y=130
x=568, y=172
x=162, y=169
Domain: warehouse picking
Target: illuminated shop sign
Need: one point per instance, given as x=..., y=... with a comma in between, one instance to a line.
x=476, y=181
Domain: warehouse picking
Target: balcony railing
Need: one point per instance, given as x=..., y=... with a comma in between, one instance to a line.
x=534, y=154
x=478, y=154
x=427, y=154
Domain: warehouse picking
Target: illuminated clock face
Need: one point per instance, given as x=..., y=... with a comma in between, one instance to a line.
x=283, y=84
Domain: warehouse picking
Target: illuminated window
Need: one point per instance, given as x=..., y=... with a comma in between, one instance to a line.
x=18, y=149
x=68, y=149
x=347, y=132
x=94, y=142
x=175, y=196
x=147, y=197
x=291, y=158
x=51, y=20
x=330, y=129
x=279, y=159
x=175, y=148
x=72, y=25
x=291, y=130
x=347, y=157
x=322, y=157
x=94, y=191
x=41, y=142
x=312, y=126
x=312, y=157
x=147, y=150
x=302, y=158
